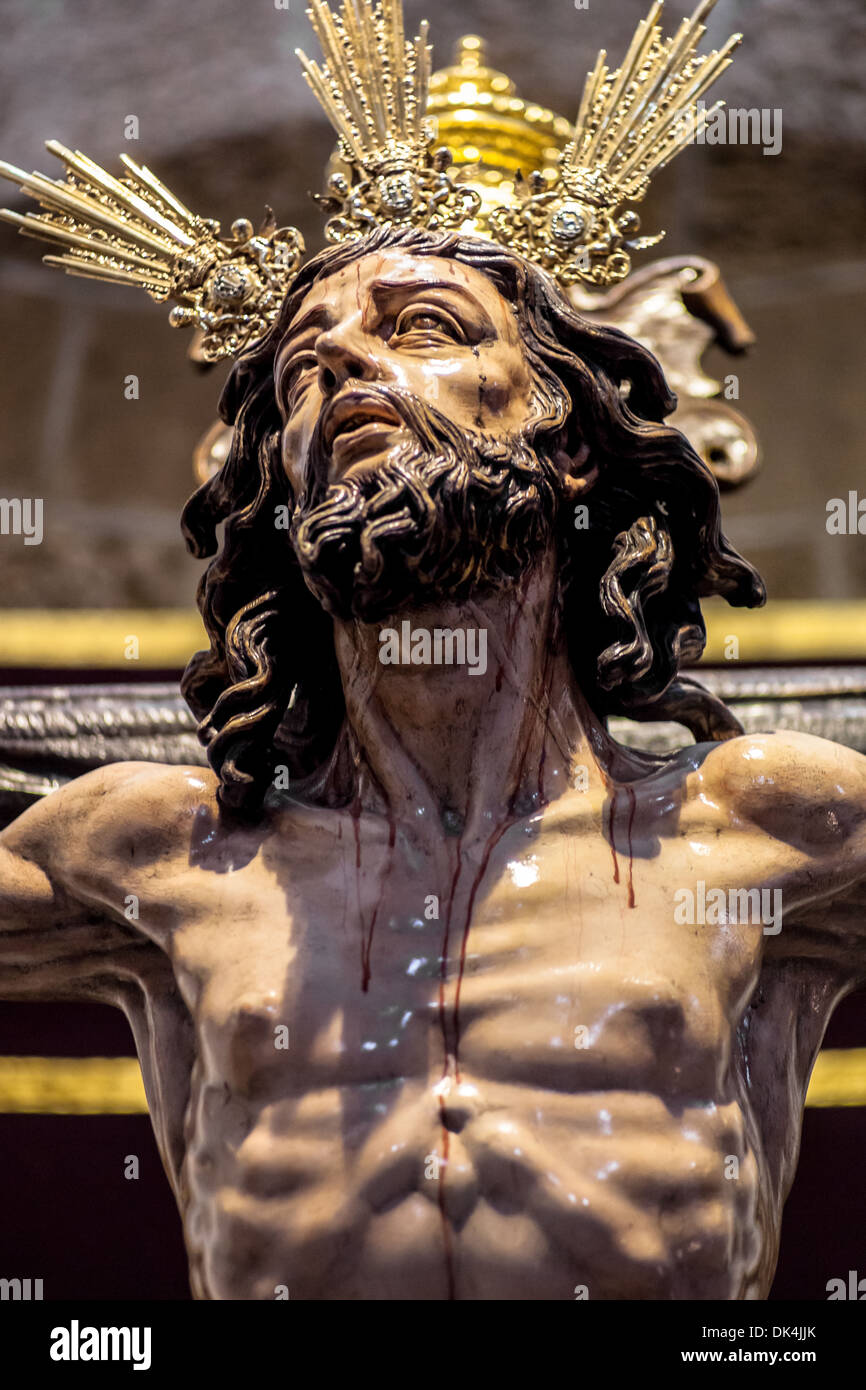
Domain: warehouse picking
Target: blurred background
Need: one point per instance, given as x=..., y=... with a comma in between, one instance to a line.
x=225, y=120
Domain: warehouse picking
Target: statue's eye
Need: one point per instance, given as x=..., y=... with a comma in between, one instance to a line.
x=422, y=319
x=298, y=377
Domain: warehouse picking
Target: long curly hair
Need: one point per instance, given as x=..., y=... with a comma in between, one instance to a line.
x=267, y=692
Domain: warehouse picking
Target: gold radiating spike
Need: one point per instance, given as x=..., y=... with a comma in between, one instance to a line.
x=42, y=229
x=686, y=101
x=124, y=196
x=94, y=270
x=397, y=44
x=373, y=86
x=134, y=231
x=62, y=197
x=594, y=81
x=423, y=65
x=645, y=35
x=356, y=44
x=660, y=92
x=375, y=77
x=155, y=187
x=341, y=81
x=631, y=122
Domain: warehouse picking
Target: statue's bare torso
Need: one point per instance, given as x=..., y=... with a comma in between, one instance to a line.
x=565, y=1165
x=586, y=1096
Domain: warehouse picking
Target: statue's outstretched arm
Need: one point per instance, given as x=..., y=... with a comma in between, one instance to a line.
x=53, y=943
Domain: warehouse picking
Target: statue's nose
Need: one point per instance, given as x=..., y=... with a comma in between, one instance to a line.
x=344, y=355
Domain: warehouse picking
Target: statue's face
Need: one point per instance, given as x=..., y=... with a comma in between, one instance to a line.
x=409, y=419
x=434, y=328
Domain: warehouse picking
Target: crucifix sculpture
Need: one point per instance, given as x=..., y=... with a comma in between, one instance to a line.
x=438, y=991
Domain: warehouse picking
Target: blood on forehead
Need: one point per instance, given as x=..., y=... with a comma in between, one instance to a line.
x=357, y=286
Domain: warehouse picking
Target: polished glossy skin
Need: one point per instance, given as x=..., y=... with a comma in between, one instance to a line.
x=433, y=327
x=510, y=1071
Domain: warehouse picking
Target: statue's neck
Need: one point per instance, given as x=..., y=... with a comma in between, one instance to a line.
x=462, y=745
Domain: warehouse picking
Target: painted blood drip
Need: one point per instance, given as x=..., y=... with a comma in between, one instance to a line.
x=367, y=936
x=447, y=1054
x=445, y=1138
x=612, y=816
x=510, y=818
x=545, y=686
x=446, y=1228
x=355, y=813
x=491, y=845
x=632, y=806
x=367, y=933
x=443, y=961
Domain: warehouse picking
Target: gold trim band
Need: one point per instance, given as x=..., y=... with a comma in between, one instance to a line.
x=113, y=1085
x=95, y=637
x=838, y=1078
x=788, y=630
x=71, y=1086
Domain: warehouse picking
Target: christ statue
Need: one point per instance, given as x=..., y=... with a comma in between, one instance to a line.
x=438, y=991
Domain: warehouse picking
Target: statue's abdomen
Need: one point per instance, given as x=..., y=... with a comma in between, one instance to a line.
x=524, y=1167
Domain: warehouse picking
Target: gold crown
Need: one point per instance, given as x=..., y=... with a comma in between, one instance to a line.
x=455, y=149
x=491, y=133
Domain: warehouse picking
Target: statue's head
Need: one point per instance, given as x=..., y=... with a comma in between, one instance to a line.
x=428, y=417
x=411, y=405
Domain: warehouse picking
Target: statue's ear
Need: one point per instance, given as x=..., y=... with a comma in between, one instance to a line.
x=578, y=471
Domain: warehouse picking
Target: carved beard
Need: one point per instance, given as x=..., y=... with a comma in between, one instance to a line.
x=442, y=516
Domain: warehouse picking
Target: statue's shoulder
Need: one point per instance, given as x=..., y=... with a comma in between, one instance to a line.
x=793, y=785
x=151, y=791
x=120, y=800
x=798, y=761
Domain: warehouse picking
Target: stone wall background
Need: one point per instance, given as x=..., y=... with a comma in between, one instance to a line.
x=226, y=120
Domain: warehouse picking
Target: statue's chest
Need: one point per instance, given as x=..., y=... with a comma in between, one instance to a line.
x=541, y=960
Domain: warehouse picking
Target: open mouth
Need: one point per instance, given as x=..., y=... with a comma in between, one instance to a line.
x=355, y=421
